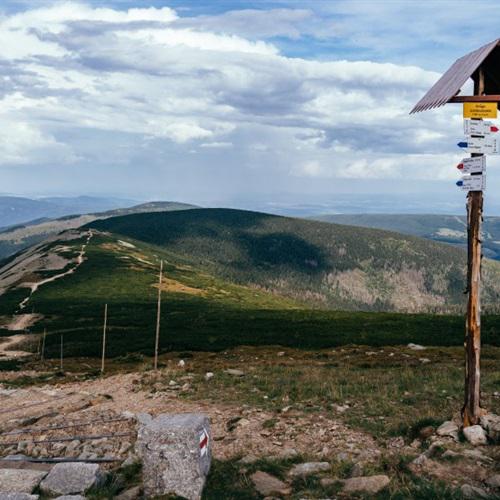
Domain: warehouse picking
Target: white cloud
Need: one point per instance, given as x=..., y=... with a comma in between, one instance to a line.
x=167, y=82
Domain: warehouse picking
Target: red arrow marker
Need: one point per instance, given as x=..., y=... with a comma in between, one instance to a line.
x=460, y=166
x=494, y=129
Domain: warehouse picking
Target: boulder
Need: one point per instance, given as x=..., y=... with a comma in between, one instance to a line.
x=176, y=455
x=308, y=469
x=476, y=435
x=71, y=478
x=267, y=485
x=368, y=484
x=448, y=429
x=491, y=423
x=20, y=481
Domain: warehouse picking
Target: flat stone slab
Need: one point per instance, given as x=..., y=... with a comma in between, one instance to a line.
x=20, y=481
x=176, y=454
x=267, y=485
x=18, y=496
x=367, y=484
x=71, y=478
x=309, y=468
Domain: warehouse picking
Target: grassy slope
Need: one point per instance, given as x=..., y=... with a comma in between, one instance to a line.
x=202, y=312
x=334, y=266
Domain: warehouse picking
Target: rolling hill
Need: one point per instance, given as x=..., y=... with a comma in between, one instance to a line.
x=18, y=237
x=330, y=266
x=232, y=278
x=444, y=228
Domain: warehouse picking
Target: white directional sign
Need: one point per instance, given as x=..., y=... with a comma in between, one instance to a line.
x=475, y=165
x=479, y=127
x=488, y=145
x=473, y=183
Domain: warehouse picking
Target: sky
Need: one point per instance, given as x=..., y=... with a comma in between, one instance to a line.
x=254, y=104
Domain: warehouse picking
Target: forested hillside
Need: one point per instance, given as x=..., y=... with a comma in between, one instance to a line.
x=330, y=266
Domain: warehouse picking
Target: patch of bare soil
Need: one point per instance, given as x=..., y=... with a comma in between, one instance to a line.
x=21, y=322
x=8, y=347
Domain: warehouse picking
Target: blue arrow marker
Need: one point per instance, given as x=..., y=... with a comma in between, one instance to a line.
x=460, y=183
x=462, y=144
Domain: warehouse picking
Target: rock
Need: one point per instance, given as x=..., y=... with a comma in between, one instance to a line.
x=449, y=429
x=176, y=455
x=71, y=478
x=450, y=454
x=130, y=494
x=420, y=460
x=327, y=481
x=17, y=496
x=477, y=455
x=494, y=481
x=416, y=347
x=266, y=484
x=475, y=434
x=356, y=471
x=397, y=442
x=491, y=423
x=309, y=468
x=424, y=361
x=70, y=497
x=474, y=492
x=209, y=375
x=234, y=372
x=249, y=459
x=426, y=432
x=367, y=484
x=340, y=408
x=20, y=481
x=287, y=453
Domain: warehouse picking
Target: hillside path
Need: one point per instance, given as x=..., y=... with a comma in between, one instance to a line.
x=79, y=260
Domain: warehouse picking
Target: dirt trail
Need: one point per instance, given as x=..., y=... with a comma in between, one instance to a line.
x=79, y=260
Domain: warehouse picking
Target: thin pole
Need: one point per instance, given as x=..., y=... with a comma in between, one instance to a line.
x=104, y=337
x=157, y=340
x=42, y=354
x=471, y=411
x=61, y=368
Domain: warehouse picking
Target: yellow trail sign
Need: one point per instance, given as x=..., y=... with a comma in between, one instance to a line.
x=480, y=109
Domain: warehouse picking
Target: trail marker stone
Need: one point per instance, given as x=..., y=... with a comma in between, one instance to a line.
x=176, y=454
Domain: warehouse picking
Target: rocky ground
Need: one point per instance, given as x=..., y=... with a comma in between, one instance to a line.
x=284, y=449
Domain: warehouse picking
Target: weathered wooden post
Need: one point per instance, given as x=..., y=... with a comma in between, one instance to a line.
x=483, y=66
x=103, y=357
x=158, y=316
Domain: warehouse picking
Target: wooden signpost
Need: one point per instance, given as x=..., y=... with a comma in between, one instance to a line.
x=483, y=67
